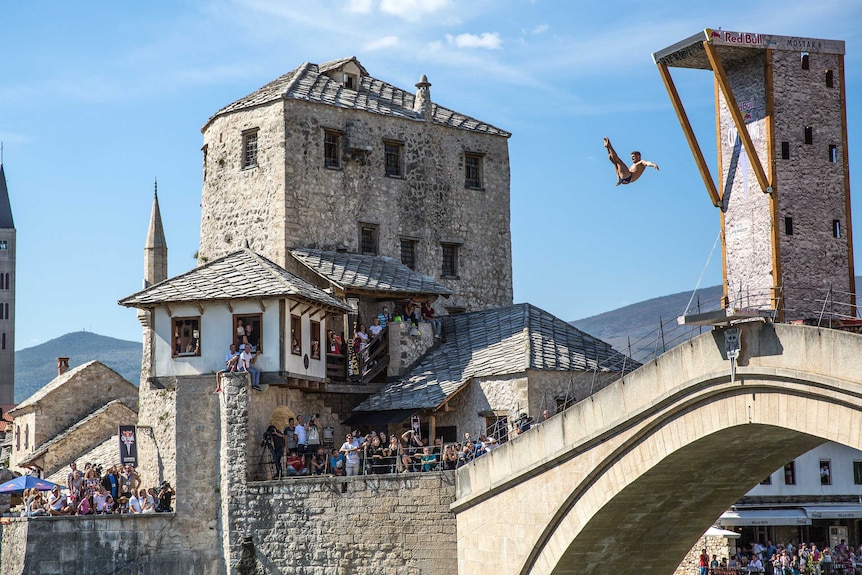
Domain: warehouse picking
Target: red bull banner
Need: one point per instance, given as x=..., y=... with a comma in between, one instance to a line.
x=128, y=445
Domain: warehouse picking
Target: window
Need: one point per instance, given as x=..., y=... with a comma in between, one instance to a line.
x=408, y=253
x=17, y=438
x=857, y=472
x=450, y=261
x=788, y=226
x=785, y=150
x=497, y=426
x=349, y=81
x=3, y=341
x=804, y=56
x=295, y=335
x=790, y=473
x=315, y=339
x=472, y=170
x=187, y=336
x=26, y=436
x=248, y=327
x=368, y=239
x=331, y=149
x=809, y=135
x=825, y=472
x=836, y=228
x=830, y=79
x=4, y=245
x=833, y=153
x=392, y=152
x=249, y=149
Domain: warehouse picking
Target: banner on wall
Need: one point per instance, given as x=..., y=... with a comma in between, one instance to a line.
x=128, y=445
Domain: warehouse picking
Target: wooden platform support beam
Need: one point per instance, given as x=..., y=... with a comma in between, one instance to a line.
x=689, y=134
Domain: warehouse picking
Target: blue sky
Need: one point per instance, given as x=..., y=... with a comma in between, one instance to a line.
x=99, y=98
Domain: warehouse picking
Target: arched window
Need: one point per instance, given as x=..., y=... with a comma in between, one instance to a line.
x=3, y=341
x=830, y=79
x=26, y=432
x=804, y=56
x=17, y=438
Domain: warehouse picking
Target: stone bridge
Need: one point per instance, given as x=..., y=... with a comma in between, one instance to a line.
x=630, y=478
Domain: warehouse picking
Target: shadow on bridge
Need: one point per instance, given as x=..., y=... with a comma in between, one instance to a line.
x=632, y=476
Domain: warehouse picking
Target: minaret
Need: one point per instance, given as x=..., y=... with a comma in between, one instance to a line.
x=155, y=271
x=7, y=296
x=156, y=248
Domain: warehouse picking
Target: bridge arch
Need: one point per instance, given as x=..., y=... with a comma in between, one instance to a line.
x=648, y=463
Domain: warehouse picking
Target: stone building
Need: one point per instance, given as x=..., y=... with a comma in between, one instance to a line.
x=7, y=297
x=494, y=366
x=75, y=413
x=783, y=186
x=327, y=157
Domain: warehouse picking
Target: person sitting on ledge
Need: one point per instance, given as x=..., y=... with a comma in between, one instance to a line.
x=294, y=465
x=57, y=503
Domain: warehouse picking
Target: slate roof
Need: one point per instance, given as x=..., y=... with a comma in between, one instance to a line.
x=59, y=382
x=501, y=341
x=357, y=272
x=309, y=83
x=240, y=275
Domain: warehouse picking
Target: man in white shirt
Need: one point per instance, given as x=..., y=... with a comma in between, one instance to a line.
x=135, y=504
x=301, y=436
x=350, y=449
x=246, y=356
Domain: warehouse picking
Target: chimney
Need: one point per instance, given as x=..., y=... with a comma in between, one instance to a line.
x=62, y=365
x=422, y=103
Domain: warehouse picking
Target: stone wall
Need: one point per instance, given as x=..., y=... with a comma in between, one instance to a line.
x=309, y=526
x=292, y=200
x=405, y=349
x=139, y=545
x=810, y=188
x=720, y=546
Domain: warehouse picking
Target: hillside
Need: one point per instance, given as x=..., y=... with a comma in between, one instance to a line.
x=36, y=366
x=640, y=322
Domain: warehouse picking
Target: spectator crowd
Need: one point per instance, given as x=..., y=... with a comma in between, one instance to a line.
x=94, y=492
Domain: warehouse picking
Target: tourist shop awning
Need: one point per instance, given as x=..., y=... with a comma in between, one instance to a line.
x=834, y=512
x=749, y=517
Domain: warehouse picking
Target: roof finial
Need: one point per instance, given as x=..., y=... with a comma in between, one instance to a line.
x=156, y=186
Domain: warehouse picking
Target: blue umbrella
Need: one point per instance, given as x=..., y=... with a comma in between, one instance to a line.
x=19, y=484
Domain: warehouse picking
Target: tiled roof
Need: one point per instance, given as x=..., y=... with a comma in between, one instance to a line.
x=240, y=275
x=309, y=83
x=499, y=341
x=357, y=272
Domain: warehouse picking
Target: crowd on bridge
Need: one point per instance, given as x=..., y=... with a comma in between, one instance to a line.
x=94, y=491
x=305, y=448
x=786, y=559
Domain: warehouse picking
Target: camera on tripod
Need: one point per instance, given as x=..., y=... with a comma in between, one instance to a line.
x=267, y=440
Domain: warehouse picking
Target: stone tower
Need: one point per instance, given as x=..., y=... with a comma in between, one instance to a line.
x=783, y=187
x=7, y=296
x=156, y=248
x=328, y=157
x=155, y=271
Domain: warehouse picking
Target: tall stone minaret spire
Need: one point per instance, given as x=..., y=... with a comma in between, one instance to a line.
x=156, y=248
x=7, y=296
x=422, y=103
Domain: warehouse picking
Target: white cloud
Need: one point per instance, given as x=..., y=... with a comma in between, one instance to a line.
x=381, y=43
x=412, y=10
x=540, y=28
x=359, y=6
x=488, y=40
